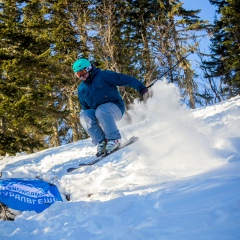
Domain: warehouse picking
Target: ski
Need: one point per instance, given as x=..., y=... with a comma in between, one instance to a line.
x=97, y=159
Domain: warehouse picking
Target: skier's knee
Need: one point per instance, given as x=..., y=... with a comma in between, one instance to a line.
x=101, y=111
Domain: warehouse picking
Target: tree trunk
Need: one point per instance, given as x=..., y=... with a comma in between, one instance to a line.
x=188, y=83
x=55, y=139
x=73, y=119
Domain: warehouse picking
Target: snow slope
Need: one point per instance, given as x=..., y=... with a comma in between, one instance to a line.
x=180, y=181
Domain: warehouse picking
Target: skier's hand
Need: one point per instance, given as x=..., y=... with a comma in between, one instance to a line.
x=143, y=91
x=145, y=94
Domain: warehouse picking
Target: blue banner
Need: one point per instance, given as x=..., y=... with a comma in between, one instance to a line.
x=27, y=194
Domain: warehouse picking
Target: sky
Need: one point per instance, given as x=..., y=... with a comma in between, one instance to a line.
x=179, y=181
x=207, y=9
x=207, y=13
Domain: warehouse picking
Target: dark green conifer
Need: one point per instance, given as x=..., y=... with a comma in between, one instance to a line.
x=225, y=47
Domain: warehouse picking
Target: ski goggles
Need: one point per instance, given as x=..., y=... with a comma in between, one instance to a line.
x=81, y=73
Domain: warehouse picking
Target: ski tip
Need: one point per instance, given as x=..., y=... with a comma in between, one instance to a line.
x=134, y=139
x=69, y=170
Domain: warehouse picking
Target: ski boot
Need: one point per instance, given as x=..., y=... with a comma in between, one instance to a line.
x=101, y=148
x=112, y=145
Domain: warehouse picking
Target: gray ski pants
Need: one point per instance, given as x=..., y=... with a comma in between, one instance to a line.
x=100, y=123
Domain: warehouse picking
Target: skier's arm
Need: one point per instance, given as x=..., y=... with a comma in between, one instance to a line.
x=120, y=79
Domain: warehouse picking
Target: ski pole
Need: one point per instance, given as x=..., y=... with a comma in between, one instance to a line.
x=169, y=69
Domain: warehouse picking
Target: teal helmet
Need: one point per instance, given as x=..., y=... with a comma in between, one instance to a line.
x=81, y=64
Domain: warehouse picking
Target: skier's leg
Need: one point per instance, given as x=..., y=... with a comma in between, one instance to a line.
x=91, y=125
x=107, y=115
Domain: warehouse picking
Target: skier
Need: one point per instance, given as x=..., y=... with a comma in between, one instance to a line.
x=102, y=103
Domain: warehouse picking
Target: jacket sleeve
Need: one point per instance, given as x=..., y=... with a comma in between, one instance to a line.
x=120, y=79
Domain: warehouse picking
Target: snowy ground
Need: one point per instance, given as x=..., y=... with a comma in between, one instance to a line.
x=180, y=181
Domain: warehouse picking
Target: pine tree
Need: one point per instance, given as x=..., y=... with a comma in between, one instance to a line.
x=225, y=47
x=26, y=106
x=172, y=36
x=65, y=48
x=114, y=49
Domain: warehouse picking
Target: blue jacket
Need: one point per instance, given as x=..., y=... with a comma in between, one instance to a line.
x=101, y=87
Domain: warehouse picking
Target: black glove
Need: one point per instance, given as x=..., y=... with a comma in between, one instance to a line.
x=145, y=94
x=143, y=91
